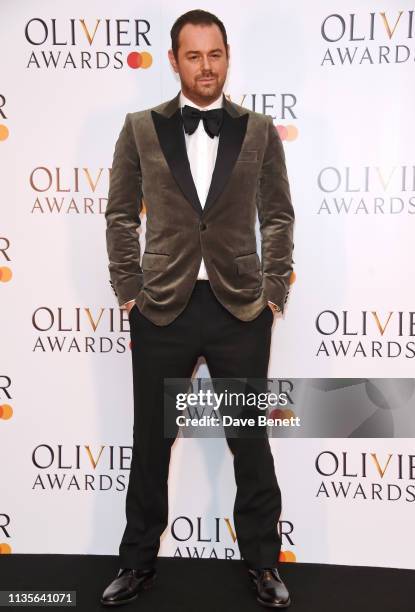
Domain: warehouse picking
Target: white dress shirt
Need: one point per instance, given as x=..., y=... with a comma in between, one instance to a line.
x=201, y=151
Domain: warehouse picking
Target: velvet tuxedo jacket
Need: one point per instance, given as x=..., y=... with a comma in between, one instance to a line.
x=151, y=168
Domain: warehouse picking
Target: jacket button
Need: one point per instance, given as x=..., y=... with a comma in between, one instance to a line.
x=202, y=226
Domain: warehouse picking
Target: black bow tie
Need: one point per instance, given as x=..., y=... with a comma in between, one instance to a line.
x=212, y=120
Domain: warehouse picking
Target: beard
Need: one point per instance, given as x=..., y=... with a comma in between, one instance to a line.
x=209, y=89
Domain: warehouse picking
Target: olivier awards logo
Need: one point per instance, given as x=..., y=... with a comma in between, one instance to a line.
x=80, y=330
x=365, y=334
x=80, y=44
x=385, y=477
x=368, y=38
x=368, y=190
x=279, y=106
x=74, y=191
x=200, y=537
x=80, y=468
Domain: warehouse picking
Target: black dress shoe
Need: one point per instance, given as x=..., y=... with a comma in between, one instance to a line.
x=271, y=591
x=126, y=586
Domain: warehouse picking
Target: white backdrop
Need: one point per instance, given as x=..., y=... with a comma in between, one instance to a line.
x=338, y=80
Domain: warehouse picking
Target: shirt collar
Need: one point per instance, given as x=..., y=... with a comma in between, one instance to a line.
x=215, y=104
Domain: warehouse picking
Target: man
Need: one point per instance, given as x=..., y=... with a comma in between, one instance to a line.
x=203, y=166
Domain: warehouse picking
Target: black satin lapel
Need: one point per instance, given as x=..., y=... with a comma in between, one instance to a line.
x=172, y=142
x=231, y=138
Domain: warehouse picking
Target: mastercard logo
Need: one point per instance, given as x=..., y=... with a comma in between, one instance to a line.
x=139, y=60
x=287, y=556
x=5, y=549
x=5, y=274
x=287, y=132
x=6, y=411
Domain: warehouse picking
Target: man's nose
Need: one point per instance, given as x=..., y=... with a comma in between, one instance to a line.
x=205, y=63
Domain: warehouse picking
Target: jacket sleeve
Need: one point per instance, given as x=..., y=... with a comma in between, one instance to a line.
x=276, y=220
x=123, y=217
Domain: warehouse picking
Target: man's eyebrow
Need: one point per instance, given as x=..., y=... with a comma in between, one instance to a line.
x=211, y=51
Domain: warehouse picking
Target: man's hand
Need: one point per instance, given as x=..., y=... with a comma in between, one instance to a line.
x=274, y=307
x=128, y=305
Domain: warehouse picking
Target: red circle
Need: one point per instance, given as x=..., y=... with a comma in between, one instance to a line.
x=282, y=131
x=277, y=413
x=134, y=59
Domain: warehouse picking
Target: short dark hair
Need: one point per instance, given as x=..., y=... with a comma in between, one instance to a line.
x=195, y=17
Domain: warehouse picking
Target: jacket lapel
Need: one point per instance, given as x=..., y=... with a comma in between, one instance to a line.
x=172, y=142
x=169, y=128
x=230, y=142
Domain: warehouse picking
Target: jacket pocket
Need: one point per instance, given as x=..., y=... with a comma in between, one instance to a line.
x=154, y=261
x=248, y=155
x=248, y=263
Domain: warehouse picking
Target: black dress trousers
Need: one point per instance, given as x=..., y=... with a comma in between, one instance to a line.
x=232, y=348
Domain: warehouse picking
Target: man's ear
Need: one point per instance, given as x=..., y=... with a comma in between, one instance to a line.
x=172, y=60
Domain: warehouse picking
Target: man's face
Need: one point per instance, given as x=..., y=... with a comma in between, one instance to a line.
x=202, y=63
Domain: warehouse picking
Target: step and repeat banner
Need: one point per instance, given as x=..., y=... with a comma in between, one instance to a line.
x=337, y=78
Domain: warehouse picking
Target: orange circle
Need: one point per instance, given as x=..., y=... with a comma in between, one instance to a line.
x=6, y=411
x=292, y=133
x=293, y=277
x=289, y=557
x=5, y=274
x=5, y=549
x=147, y=59
x=288, y=413
x=4, y=132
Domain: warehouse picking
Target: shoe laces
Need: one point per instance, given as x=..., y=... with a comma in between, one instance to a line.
x=269, y=573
